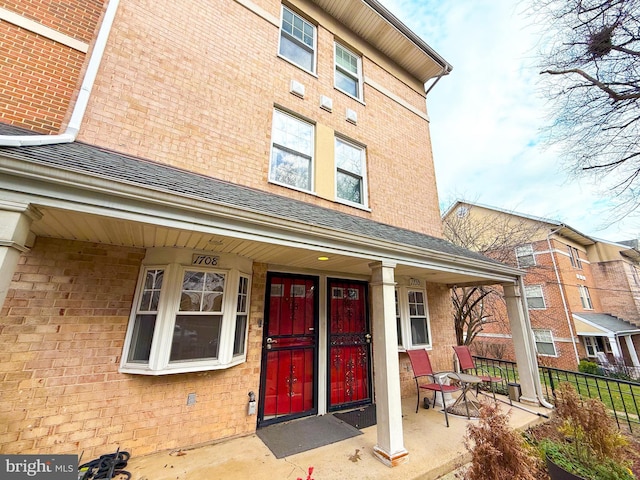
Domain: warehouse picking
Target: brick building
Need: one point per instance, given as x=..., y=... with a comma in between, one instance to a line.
x=582, y=292
x=199, y=210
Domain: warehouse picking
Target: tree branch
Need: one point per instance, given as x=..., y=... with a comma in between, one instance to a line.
x=605, y=88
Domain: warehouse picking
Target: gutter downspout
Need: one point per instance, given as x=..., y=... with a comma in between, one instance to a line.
x=80, y=107
x=564, y=300
x=534, y=363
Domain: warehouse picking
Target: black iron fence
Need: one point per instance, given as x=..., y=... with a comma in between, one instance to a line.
x=622, y=397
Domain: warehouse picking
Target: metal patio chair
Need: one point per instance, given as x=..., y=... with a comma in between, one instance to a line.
x=467, y=364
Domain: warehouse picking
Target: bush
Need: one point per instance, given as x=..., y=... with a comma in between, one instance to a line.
x=587, y=366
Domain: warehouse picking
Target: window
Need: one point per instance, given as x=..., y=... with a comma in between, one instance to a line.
x=524, y=256
x=574, y=255
x=412, y=318
x=348, y=76
x=534, y=296
x=298, y=40
x=544, y=342
x=180, y=320
x=292, y=152
x=350, y=173
x=593, y=345
x=585, y=298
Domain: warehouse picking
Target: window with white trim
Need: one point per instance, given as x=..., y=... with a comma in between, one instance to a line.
x=187, y=319
x=348, y=71
x=544, y=342
x=535, y=297
x=412, y=318
x=351, y=173
x=297, y=40
x=291, y=152
x=524, y=256
x=574, y=256
x=593, y=345
x=585, y=298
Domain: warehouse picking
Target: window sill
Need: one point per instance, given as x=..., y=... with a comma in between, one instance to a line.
x=313, y=74
x=354, y=205
x=182, y=368
x=359, y=100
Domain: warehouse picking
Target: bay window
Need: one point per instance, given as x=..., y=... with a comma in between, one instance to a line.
x=187, y=318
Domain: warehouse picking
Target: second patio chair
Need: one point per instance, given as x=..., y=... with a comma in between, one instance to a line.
x=468, y=365
x=421, y=365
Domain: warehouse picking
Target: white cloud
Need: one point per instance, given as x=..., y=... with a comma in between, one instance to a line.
x=487, y=115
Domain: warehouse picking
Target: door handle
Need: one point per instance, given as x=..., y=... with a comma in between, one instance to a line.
x=367, y=337
x=270, y=341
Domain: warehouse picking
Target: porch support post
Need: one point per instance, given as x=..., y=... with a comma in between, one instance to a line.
x=616, y=349
x=390, y=445
x=632, y=351
x=15, y=221
x=522, y=343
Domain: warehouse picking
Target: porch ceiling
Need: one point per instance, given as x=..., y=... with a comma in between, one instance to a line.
x=70, y=225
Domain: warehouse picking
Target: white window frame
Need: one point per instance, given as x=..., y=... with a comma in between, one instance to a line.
x=585, y=297
x=592, y=347
x=297, y=42
x=340, y=70
x=289, y=147
x=159, y=362
x=545, y=336
x=404, y=317
x=525, y=251
x=528, y=290
x=362, y=176
x=574, y=256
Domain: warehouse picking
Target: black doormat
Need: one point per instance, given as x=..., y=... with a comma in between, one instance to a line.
x=289, y=438
x=360, y=418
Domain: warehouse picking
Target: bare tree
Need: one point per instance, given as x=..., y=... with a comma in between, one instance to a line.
x=590, y=52
x=496, y=235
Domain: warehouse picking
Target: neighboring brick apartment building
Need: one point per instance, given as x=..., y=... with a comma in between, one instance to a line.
x=583, y=293
x=207, y=202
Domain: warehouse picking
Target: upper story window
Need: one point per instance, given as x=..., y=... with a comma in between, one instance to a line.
x=351, y=173
x=348, y=76
x=186, y=319
x=298, y=40
x=585, y=298
x=574, y=255
x=544, y=342
x=534, y=296
x=292, y=152
x=412, y=318
x=524, y=256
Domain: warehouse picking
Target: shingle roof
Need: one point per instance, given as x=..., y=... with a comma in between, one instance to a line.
x=608, y=322
x=98, y=162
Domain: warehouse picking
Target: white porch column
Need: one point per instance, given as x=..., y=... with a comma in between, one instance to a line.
x=632, y=351
x=616, y=350
x=15, y=220
x=522, y=343
x=390, y=447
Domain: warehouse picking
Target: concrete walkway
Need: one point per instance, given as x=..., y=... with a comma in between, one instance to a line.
x=434, y=451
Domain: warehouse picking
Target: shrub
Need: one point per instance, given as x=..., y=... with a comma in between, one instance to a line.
x=587, y=366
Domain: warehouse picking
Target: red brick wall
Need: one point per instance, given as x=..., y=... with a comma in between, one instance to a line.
x=620, y=290
x=64, y=323
x=38, y=76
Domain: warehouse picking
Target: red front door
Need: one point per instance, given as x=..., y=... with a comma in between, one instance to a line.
x=349, y=344
x=289, y=358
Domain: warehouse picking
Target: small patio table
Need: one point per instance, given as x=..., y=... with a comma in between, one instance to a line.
x=468, y=383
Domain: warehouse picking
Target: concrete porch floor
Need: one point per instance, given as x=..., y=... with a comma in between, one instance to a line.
x=435, y=451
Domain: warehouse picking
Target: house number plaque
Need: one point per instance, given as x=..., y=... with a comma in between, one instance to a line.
x=207, y=260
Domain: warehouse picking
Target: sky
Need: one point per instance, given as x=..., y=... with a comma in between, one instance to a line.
x=487, y=117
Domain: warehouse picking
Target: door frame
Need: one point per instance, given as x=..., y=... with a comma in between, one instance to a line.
x=261, y=422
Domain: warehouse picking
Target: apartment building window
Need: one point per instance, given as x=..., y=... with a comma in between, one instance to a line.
x=298, y=40
x=524, y=256
x=585, y=298
x=351, y=175
x=534, y=296
x=544, y=342
x=348, y=72
x=292, y=152
x=593, y=345
x=412, y=318
x=187, y=319
x=574, y=255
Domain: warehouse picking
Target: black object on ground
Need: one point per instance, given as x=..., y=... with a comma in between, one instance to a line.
x=360, y=418
x=296, y=436
x=106, y=467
